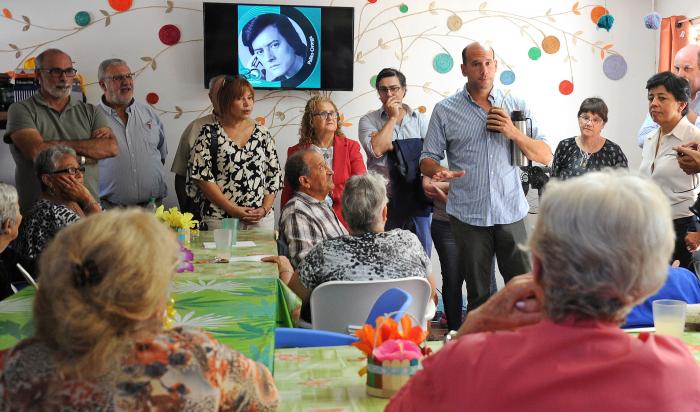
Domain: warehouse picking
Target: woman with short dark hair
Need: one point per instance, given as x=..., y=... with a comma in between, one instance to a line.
x=668, y=97
x=589, y=150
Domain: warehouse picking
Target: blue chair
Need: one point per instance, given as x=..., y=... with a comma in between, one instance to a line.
x=310, y=338
x=393, y=300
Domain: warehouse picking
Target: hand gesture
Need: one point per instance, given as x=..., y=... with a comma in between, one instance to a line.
x=393, y=107
x=73, y=189
x=447, y=175
x=432, y=191
x=688, y=158
x=498, y=121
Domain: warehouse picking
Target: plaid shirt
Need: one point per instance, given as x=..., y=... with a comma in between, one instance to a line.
x=306, y=221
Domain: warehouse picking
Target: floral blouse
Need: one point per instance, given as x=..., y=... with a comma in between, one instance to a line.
x=42, y=223
x=570, y=161
x=244, y=175
x=179, y=370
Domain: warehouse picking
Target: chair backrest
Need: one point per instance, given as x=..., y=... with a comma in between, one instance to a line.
x=310, y=338
x=394, y=301
x=341, y=306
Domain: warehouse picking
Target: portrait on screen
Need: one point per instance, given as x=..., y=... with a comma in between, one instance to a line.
x=279, y=45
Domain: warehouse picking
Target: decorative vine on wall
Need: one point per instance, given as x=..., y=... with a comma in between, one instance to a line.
x=407, y=27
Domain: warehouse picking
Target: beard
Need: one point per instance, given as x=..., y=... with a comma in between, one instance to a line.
x=59, y=91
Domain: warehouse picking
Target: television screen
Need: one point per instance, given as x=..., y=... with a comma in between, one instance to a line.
x=280, y=46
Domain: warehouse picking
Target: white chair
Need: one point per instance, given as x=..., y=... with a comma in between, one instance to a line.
x=343, y=306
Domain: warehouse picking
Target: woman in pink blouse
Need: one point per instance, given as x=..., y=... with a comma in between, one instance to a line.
x=99, y=342
x=601, y=244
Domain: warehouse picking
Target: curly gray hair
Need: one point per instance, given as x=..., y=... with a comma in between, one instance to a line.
x=8, y=203
x=364, y=197
x=604, y=241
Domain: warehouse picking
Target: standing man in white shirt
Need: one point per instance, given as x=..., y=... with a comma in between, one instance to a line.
x=136, y=174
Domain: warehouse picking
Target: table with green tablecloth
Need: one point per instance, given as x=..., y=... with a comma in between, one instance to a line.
x=239, y=303
x=326, y=378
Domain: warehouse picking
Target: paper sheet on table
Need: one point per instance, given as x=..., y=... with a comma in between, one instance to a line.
x=254, y=258
x=243, y=243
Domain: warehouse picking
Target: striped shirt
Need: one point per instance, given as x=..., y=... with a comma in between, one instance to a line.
x=490, y=193
x=306, y=221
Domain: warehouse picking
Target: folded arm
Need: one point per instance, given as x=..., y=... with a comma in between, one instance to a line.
x=102, y=143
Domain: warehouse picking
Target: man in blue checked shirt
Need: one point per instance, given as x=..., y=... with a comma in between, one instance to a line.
x=486, y=202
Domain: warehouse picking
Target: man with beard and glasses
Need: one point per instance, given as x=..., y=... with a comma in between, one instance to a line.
x=53, y=117
x=136, y=174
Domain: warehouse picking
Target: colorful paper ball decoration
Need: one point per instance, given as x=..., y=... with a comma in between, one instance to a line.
x=403, y=8
x=120, y=5
x=614, y=67
x=507, y=77
x=652, y=21
x=534, y=53
x=152, y=98
x=606, y=22
x=443, y=63
x=373, y=81
x=566, y=87
x=371, y=1
x=454, y=22
x=597, y=13
x=550, y=44
x=169, y=34
x=82, y=18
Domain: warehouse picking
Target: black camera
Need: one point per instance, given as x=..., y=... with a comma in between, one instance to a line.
x=695, y=208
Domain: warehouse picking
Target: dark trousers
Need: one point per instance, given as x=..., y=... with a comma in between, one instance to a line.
x=452, y=277
x=680, y=252
x=477, y=245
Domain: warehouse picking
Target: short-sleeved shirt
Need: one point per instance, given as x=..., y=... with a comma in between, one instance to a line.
x=136, y=173
x=570, y=161
x=394, y=254
x=189, y=136
x=244, y=174
x=42, y=223
x=490, y=193
x=77, y=121
x=177, y=370
x=414, y=125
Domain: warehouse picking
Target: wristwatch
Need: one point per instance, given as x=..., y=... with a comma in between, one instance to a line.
x=82, y=160
x=451, y=335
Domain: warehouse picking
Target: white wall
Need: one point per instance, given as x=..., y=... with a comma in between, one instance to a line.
x=511, y=26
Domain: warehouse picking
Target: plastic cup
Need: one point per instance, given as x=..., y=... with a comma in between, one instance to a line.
x=669, y=317
x=223, y=238
x=232, y=224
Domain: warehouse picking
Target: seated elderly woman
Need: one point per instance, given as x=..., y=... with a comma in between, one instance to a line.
x=99, y=342
x=367, y=253
x=10, y=219
x=64, y=199
x=601, y=244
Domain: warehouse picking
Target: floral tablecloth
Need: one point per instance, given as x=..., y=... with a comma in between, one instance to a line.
x=325, y=379
x=240, y=303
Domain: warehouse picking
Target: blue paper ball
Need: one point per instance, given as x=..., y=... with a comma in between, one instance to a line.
x=652, y=21
x=606, y=21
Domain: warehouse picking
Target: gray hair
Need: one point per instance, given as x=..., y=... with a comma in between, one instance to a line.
x=39, y=60
x=45, y=161
x=8, y=203
x=364, y=197
x=604, y=241
x=102, y=70
x=216, y=78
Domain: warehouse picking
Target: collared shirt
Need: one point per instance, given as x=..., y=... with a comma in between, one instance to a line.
x=77, y=121
x=680, y=188
x=136, y=173
x=490, y=193
x=306, y=221
x=189, y=136
x=414, y=125
x=649, y=126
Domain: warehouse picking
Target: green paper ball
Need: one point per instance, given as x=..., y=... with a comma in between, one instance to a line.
x=373, y=81
x=534, y=53
x=82, y=18
x=403, y=8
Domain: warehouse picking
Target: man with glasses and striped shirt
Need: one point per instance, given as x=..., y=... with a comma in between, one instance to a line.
x=486, y=202
x=53, y=117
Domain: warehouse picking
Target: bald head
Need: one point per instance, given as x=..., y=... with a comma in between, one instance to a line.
x=474, y=47
x=687, y=65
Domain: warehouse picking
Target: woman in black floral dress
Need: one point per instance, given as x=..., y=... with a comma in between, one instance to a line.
x=233, y=167
x=588, y=151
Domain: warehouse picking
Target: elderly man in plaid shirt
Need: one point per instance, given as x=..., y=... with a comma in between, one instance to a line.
x=307, y=218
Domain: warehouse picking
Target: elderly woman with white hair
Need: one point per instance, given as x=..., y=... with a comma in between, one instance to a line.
x=601, y=244
x=367, y=253
x=10, y=219
x=64, y=199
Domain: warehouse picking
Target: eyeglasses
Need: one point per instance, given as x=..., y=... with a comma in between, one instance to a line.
x=56, y=72
x=586, y=119
x=326, y=115
x=121, y=77
x=70, y=170
x=385, y=90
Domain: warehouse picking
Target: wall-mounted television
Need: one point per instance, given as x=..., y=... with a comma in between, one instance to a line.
x=280, y=46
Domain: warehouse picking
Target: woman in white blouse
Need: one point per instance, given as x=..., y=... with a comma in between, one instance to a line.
x=668, y=97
